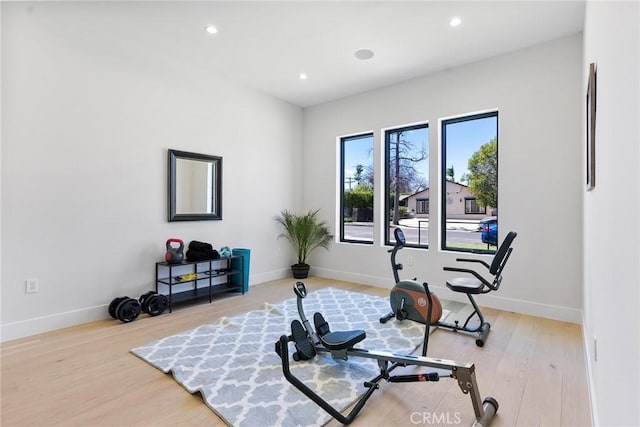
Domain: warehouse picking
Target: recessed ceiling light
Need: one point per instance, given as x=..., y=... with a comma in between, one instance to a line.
x=455, y=21
x=302, y=76
x=211, y=29
x=364, y=54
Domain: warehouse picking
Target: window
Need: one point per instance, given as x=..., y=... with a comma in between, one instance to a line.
x=470, y=182
x=471, y=206
x=422, y=206
x=407, y=182
x=356, y=182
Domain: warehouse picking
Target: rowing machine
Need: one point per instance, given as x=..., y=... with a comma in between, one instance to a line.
x=340, y=344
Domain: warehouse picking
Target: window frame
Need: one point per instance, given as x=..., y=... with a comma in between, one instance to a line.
x=341, y=216
x=387, y=181
x=443, y=177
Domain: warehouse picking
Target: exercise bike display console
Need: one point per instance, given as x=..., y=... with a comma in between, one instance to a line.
x=340, y=344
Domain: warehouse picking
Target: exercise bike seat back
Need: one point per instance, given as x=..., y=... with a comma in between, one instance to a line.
x=478, y=284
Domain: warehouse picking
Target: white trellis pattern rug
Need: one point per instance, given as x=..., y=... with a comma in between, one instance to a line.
x=233, y=363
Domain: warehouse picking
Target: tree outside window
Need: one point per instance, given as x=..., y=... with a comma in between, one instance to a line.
x=406, y=174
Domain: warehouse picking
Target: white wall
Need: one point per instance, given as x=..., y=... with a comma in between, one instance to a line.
x=84, y=166
x=1, y=156
x=612, y=215
x=539, y=97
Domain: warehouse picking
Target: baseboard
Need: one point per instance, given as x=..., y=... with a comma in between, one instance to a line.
x=554, y=312
x=548, y=311
x=362, y=279
x=38, y=325
x=591, y=387
x=269, y=276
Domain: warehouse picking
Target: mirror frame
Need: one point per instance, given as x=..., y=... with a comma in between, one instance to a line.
x=217, y=190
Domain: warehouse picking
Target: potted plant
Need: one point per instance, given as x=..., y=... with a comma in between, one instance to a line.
x=305, y=232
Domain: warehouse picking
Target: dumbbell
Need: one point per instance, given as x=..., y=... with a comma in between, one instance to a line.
x=125, y=309
x=128, y=309
x=153, y=304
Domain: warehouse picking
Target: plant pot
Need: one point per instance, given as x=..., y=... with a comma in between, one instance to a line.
x=300, y=271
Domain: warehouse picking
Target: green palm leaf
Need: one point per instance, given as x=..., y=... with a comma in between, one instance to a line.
x=305, y=232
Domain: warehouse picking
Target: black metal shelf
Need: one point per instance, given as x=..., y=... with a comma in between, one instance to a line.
x=213, y=269
x=189, y=295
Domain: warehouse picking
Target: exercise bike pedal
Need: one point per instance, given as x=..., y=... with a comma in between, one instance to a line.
x=304, y=346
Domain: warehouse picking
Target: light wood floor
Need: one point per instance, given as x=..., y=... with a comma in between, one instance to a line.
x=85, y=375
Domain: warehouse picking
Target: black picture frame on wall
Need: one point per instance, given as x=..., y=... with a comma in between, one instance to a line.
x=195, y=186
x=591, y=127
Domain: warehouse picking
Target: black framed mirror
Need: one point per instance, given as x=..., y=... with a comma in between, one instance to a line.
x=195, y=186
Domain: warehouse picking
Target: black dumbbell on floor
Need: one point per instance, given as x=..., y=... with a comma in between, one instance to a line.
x=153, y=304
x=128, y=309
x=124, y=309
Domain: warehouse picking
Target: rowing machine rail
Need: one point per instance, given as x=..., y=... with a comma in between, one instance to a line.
x=463, y=373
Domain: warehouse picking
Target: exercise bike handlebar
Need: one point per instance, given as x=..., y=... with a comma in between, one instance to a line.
x=400, y=241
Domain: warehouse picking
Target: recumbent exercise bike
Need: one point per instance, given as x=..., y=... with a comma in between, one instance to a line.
x=407, y=298
x=340, y=344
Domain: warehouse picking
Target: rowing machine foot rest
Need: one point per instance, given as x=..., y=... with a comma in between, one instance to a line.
x=322, y=326
x=304, y=346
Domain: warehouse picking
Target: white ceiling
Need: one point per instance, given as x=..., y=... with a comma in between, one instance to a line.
x=266, y=45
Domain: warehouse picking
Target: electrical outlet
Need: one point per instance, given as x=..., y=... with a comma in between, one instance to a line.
x=409, y=260
x=31, y=286
x=595, y=348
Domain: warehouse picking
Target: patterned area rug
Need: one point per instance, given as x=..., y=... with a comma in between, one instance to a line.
x=233, y=363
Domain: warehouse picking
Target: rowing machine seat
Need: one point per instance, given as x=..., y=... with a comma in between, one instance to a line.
x=339, y=340
x=342, y=340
